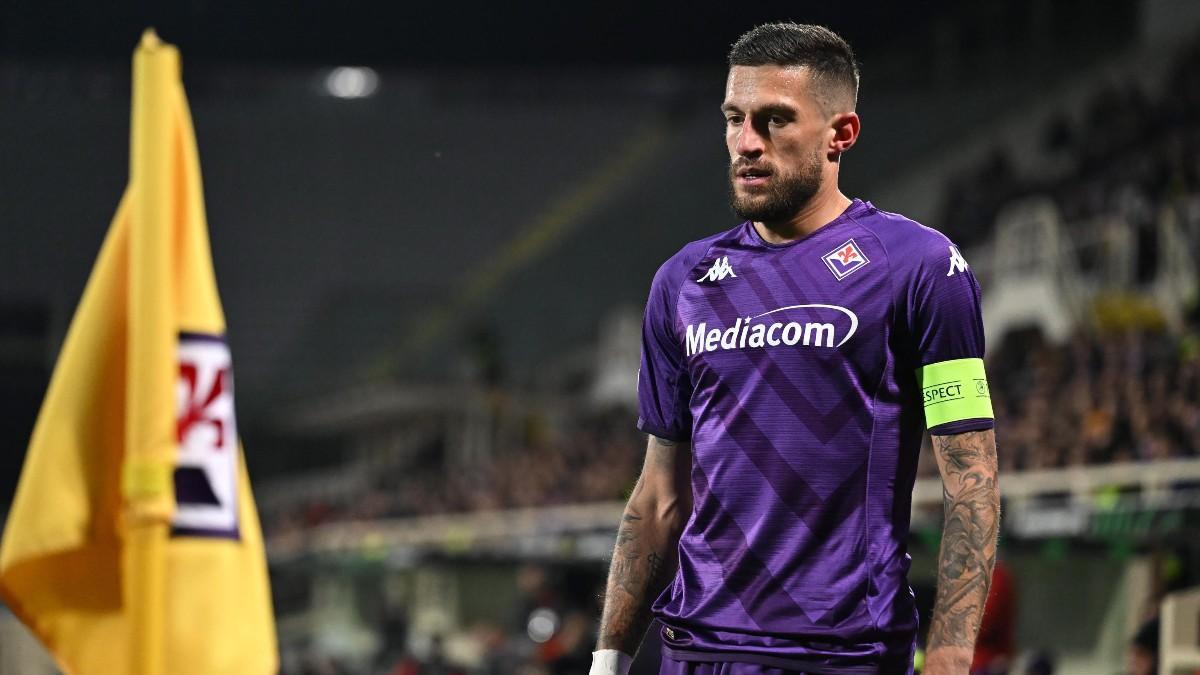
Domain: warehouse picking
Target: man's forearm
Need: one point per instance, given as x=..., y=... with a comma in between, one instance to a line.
x=642, y=563
x=968, y=551
x=646, y=553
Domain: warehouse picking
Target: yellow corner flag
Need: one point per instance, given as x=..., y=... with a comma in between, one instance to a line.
x=133, y=544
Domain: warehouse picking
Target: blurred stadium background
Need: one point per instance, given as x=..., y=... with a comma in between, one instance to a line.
x=434, y=227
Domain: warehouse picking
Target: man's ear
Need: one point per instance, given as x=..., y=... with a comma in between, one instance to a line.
x=845, y=132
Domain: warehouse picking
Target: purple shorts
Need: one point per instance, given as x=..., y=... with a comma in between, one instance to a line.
x=670, y=666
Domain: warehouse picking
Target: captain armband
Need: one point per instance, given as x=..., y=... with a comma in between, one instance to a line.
x=953, y=391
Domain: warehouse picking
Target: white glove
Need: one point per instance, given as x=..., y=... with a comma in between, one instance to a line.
x=610, y=662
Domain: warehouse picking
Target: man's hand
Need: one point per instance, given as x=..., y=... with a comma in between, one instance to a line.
x=972, y=501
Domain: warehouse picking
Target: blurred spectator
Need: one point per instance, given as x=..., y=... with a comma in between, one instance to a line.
x=436, y=663
x=1143, y=649
x=1042, y=663
x=995, y=647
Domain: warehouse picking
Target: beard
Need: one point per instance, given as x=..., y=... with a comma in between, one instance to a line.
x=781, y=198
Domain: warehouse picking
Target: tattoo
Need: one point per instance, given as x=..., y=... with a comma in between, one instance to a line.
x=627, y=573
x=636, y=576
x=624, y=571
x=657, y=567
x=968, y=554
x=627, y=533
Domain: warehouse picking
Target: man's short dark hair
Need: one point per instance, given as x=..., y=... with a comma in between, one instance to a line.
x=826, y=55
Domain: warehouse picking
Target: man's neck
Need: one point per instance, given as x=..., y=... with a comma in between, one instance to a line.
x=824, y=207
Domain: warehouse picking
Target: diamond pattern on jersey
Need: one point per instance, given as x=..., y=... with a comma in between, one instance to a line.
x=830, y=522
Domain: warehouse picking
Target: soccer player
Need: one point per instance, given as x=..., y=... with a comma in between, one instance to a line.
x=789, y=368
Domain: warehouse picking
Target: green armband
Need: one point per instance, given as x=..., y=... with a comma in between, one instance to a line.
x=954, y=390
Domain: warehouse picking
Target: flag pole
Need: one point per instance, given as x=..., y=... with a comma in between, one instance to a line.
x=152, y=367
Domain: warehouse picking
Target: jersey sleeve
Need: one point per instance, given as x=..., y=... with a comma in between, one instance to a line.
x=946, y=323
x=664, y=388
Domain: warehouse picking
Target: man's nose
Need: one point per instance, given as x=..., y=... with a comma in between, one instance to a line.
x=749, y=141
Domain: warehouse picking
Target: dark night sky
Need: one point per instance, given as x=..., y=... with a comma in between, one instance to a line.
x=469, y=32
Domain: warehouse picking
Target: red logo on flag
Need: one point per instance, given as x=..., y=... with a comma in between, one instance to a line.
x=206, y=468
x=197, y=404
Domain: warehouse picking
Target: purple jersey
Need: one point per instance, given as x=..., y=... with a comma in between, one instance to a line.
x=791, y=369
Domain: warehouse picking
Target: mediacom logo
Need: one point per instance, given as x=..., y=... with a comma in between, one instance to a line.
x=819, y=330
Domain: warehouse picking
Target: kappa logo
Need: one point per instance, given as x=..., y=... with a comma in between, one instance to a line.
x=957, y=262
x=845, y=260
x=719, y=270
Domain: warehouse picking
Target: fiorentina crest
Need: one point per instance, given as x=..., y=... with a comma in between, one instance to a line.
x=845, y=260
x=206, y=473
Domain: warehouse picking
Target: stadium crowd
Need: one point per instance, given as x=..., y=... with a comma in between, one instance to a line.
x=1122, y=396
x=1108, y=161
x=596, y=459
x=1128, y=395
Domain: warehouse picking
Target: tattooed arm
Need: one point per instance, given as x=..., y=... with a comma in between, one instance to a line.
x=972, y=501
x=647, y=544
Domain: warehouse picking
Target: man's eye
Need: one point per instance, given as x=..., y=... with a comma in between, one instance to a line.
x=777, y=121
x=735, y=120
